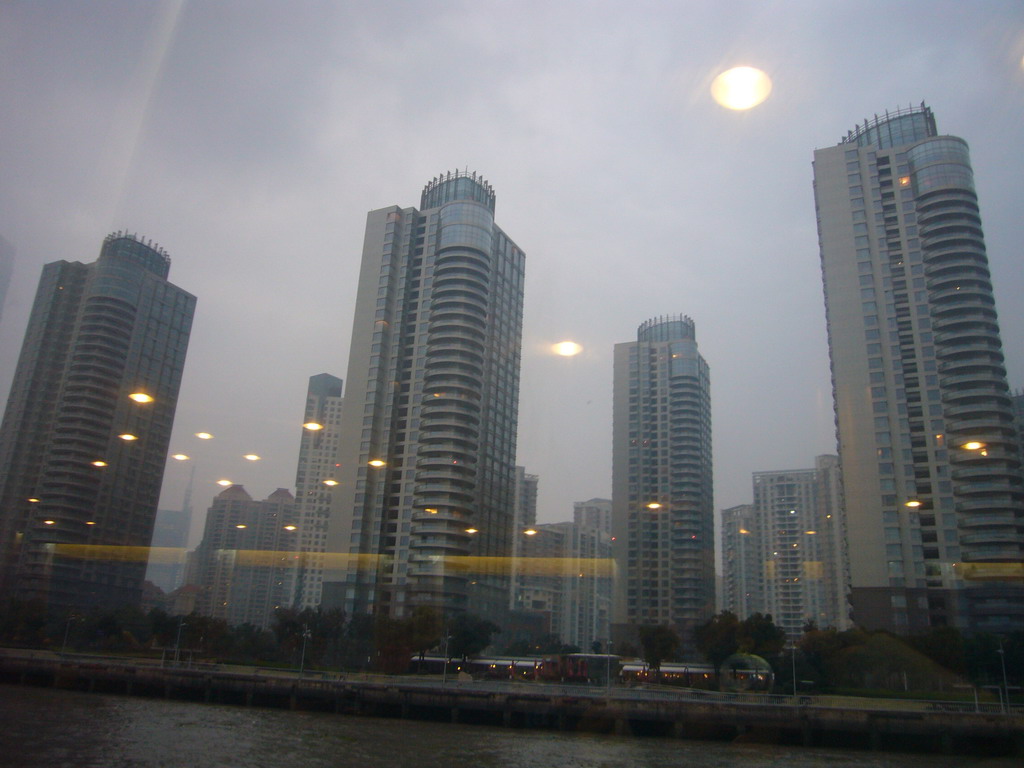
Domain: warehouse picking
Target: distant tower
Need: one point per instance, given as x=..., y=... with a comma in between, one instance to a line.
x=81, y=461
x=315, y=479
x=743, y=570
x=931, y=470
x=248, y=550
x=590, y=587
x=663, y=514
x=428, y=434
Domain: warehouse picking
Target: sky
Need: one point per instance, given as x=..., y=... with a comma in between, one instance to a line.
x=249, y=139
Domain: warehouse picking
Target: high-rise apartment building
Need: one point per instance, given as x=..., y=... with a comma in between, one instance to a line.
x=85, y=434
x=785, y=555
x=797, y=526
x=423, y=512
x=742, y=562
x=589, y=605
x=931, y=471
x=564, y=574
x=524, y=518
x=315, y=478
x=243, y=564
x=662, y=512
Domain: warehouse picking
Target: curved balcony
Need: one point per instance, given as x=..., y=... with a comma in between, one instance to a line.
x=982, y=332
x=966, y=291
x=979, y=315
x=466, y=310
x=447, y=410
x=454, y=258
x=963, y=302
x=457, y=274
x=981, y=364
x=995, y=553
x=455, y=328
x=974, y=408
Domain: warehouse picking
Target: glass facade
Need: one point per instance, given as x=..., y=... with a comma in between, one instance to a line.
x=433, y=402
x=662, y=492
x=930, y=462
x=81, y=463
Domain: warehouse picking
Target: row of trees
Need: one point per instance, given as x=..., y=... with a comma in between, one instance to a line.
x=318, y=637
x=823, y=659
x=828, y=660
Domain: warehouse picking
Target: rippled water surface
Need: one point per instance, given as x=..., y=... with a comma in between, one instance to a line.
x=43, y=727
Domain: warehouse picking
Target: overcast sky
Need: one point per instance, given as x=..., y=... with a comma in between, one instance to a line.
x=249, y=139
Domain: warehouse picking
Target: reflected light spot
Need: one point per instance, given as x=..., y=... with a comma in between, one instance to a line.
x=49, y=522
x=472, y=530
x=913, y=503
x=973, y=445
x=33, y=500
x=566, y=348
x=90, y=522
x=204, y=435
x=141, y=397
x=224, y=482
x=128, y=437
x=241, y=525
x=530, y=532
x=741, y=88
x=331, y=483
x=312, y=426
x=99, y=463
x=251, y=457
x=377, y=462
x=289, y=527
x=654, y=505
x=180, y=457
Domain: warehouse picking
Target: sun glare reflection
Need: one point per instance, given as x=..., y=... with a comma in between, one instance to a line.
x=741, y=88
x=566, y=348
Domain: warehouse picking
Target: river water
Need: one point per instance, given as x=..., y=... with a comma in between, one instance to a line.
x=45, y=727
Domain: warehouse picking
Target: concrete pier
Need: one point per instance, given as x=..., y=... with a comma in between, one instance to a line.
x=810, y=721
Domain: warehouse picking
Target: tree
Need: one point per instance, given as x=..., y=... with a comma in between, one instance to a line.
x=660, y=643
x=944, y=646
x=758, y=635
x=718, y=638
x=468, y=635
x=425, y=627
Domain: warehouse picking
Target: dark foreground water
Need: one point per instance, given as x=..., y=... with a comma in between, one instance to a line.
x=44, y=727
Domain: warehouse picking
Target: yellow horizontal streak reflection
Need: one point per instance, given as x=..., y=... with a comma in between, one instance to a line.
x=991, y=571
x=468, y=564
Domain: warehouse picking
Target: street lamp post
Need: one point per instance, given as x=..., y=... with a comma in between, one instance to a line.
x=1006, y=688
x=177, y=641
x=306, y=634
x=444, y=672
x=793, y=655
x=67, y=630
x=608, y=671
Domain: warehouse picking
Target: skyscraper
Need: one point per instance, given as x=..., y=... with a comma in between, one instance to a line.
x=662, y=494
x=84, y=437
x=423, y=512
x=315, y=476
x=742, y=562
x=930, y=464
x=243, y=563
x=796, y=528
